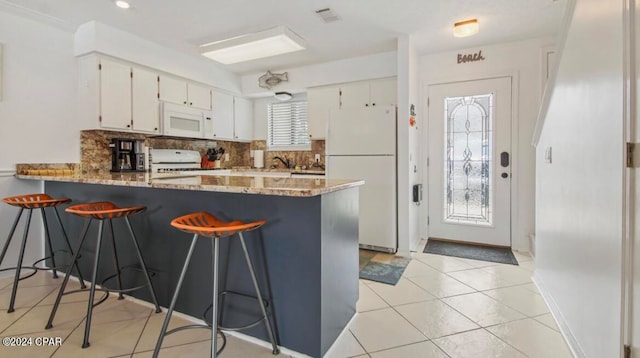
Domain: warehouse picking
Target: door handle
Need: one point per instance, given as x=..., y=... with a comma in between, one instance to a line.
x=504, y=159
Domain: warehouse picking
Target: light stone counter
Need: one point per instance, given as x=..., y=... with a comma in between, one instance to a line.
x=298, y=187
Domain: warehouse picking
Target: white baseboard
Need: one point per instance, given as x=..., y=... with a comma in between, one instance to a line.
x=569, y=337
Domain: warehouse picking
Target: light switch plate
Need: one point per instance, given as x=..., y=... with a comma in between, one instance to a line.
x=547, y=155
x=317, y=158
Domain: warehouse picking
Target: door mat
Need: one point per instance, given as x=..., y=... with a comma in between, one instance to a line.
x=388, y=272
x=471, y=251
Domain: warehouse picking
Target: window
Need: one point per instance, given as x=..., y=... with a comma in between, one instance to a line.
x=287, y=126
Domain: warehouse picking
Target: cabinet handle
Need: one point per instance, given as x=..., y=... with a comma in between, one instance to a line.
x=185, y=102
x=236, y=137
x=155, y=129
x=191, y=103
x=373, y=104
x=214, y=134
x=128, y=125
x=366, y=105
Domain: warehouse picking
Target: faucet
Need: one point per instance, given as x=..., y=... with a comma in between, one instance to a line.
x=286, y=161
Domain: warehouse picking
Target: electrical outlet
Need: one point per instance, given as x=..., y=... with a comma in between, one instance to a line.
x=226, y=157
x=317, y=158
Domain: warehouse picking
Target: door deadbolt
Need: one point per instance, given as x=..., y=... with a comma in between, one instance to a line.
x=505, y=175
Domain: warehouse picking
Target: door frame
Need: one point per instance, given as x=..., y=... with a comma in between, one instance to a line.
x=515, y=165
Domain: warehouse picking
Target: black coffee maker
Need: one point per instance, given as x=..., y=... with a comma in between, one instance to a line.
x=127, y=155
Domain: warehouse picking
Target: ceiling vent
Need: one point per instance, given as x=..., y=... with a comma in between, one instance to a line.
x=328, y=15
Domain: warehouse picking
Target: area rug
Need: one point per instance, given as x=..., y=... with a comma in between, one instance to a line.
x=471, y=251
x=388, y=272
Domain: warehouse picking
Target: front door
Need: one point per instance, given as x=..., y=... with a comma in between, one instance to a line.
x=470, y=161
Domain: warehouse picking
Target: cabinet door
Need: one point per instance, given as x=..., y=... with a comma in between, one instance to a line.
x=222, y=116
x=115, y=95
x=199, y=96
x=383, y=92
x=173, y=90
x=319, y=102
x=145, y=103
x=354, y=96
x=243, y=119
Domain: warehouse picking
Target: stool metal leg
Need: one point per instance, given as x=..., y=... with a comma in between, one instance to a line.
x=92, y=291
x=66, y=239
x=143, y=265
x=83, y=235
x=116, y=263
x=13, y=230
x=165, y=324
x=214, y=310
x=20, y=257
x=48, y=238
x=276, y=350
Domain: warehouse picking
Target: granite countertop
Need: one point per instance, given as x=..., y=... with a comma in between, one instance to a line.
x=300, y=187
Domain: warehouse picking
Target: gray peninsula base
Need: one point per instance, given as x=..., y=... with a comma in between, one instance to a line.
x=307, y=252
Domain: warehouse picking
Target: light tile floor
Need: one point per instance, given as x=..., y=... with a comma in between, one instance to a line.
x=442, y=307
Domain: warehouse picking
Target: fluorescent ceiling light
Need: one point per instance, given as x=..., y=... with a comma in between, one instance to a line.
x=122, y=4
x=466, y=28
x=248, y=47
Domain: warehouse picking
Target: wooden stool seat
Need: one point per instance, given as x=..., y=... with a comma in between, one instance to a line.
x=34, y=201
x=206, y=224
x=102, y=210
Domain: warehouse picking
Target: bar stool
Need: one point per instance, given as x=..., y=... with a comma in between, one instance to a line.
x=102, y=211
x=205, y=224
x=30, y=202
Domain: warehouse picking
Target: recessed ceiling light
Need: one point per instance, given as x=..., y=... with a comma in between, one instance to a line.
x=248, y=47
x=122, y=4
x=466, y=28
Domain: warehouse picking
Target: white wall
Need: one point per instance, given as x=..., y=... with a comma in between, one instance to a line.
x=36, y=112
x=408, y=146
x=349, y=70
x=97, y=37
x=260, y=114
x=579, y=212
x=522, y=60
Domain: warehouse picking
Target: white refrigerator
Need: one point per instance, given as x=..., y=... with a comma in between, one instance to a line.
x=361, y=144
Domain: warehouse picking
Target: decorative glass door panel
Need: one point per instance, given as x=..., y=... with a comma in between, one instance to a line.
x=468, y=151
x=469, y=192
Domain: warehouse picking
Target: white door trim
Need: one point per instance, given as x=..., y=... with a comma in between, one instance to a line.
x=515, y=141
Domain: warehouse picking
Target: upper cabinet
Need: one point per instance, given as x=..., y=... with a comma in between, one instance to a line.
x=115, y=95
x=368, y=94
x=222, y=116
x=232, y=117
x=179, y=91
x=145, y=106
x=320, y=101
x=243, y=119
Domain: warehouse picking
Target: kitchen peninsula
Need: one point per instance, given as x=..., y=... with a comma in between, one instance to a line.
x=310, y=245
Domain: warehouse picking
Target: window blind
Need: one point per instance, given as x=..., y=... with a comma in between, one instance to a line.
x=287, y=126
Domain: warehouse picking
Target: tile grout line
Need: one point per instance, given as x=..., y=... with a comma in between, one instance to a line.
x=141, y=332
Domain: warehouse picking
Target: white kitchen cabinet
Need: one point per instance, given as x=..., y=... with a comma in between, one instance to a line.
x=115, y=95
x=243, y=119
x=222, y=116
x=179, y=91
x=320, y=101
x=368, y=94
x=199, y=96
x=145, y=104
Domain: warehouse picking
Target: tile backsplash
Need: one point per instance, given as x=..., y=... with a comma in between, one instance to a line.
x=302, y=158
x=96, y=154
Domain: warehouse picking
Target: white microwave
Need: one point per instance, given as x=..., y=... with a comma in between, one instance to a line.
x=182, y=121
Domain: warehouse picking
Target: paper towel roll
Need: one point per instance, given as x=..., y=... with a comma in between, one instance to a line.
x=258, y=158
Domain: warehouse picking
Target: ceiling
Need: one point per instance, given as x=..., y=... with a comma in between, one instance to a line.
x=366, y=26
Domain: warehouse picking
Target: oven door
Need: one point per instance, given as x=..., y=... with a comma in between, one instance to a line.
x=182, y=121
